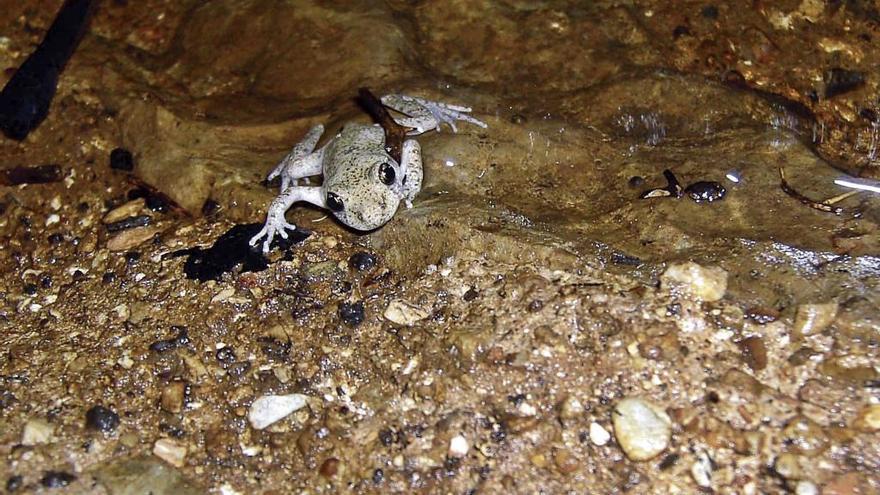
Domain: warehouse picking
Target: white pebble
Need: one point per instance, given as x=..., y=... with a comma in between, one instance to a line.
x=598, y=435
x=170, y=451
x=705, y=283
x=458, y=447
x=642, y=429
x=270, y=409
x=404, y=313
x=805, y=487
x=701, y=470
x=36, y=431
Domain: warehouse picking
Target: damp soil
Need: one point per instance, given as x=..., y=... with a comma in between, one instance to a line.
x=480, y=341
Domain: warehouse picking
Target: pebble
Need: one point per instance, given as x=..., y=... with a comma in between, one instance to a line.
x=173, y=396
x=458, y=447
x=868, y=419
x=36, y=431
x=599, y=435
x=14, y=483
x=57, y=479
x=362, y=261
x=352, y=314
x=701, y=470
x=707, y=191
x=270, y=409
x=170, y=451
x=642, y=429
x=805, y=487
x=811, y=319
x=102, y=419
x=130, y=238
x=706, y=283
x=121, y=159
x=130, y=209
x=404, y=313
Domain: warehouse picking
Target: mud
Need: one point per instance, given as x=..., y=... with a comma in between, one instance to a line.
x=480, y=341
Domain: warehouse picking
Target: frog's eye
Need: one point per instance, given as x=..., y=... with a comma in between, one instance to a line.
x=386, y=174
x=334, y=202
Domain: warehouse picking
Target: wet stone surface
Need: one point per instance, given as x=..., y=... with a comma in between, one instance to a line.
x=484, y=340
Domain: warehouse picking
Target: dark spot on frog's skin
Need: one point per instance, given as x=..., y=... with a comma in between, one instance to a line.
x=708, y=191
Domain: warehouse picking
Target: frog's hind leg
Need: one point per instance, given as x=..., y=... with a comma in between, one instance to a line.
x=424, y=115
x=302, y=161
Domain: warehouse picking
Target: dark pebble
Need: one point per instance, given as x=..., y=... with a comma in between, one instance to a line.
x=108, y=278
x=30, y=289
x=121, y=159
x=210, y=207
x=839, y=81
x=129, y=223
x=102, y=419
x=56, y=238
x=14, y=483
x=378, y=476
x=710, y=12
x=132, y=256
x=668, y=461
x=157, y=203
x=275, y=349
x=79, y=276
x=386, y=437
x=362, y=261
x=225, y=355
x=470, y=295
x=680, y=31
x=352, y=314
x=329, y=468
x=625, y=259
x=238, y=369
x=636, y=181
x=42, y=174
x=57, y=479
x=708, y=191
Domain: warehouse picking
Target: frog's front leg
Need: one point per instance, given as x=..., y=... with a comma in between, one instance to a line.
x=275, y=221
x=424, y=115
x=411, y=170
x=302, y=161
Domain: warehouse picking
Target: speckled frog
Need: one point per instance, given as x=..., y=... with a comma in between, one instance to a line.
x=363, y=186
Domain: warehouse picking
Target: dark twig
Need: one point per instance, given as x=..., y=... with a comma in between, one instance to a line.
x=395, y=133
x=816, y=205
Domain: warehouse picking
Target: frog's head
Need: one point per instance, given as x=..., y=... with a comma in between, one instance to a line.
x=366, y=197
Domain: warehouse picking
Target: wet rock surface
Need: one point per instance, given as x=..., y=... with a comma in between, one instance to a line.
x=484, y=340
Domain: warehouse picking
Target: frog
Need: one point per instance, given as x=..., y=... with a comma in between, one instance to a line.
x=362, y=185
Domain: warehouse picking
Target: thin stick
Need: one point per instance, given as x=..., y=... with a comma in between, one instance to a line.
x=787, y=189
x=395, y=133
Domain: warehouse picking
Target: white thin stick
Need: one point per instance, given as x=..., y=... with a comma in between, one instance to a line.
x=860, y=184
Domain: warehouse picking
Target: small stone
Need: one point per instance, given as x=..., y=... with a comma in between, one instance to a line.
x=790, y=466
x=599, y=435
x=362, y=261
x=121, y=159
x=570, y=408
x=329, y=468
x=57, y=479
x=36, y=431
x=811, y=319
x=102, y=419
x=566, y=463
x=805, y=487
x=170, y=451
x=14, y=483
x=352, y=314
x=642, y=429
x=130, y=209
x=701, y=470
x=131, y=238
x=270, y=409
x=404, y=313
x=868, y=419
x=458, y=447
x=173, y=396
x=706, y=283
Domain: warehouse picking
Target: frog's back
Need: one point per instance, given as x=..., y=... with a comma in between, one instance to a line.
x=357, y=146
